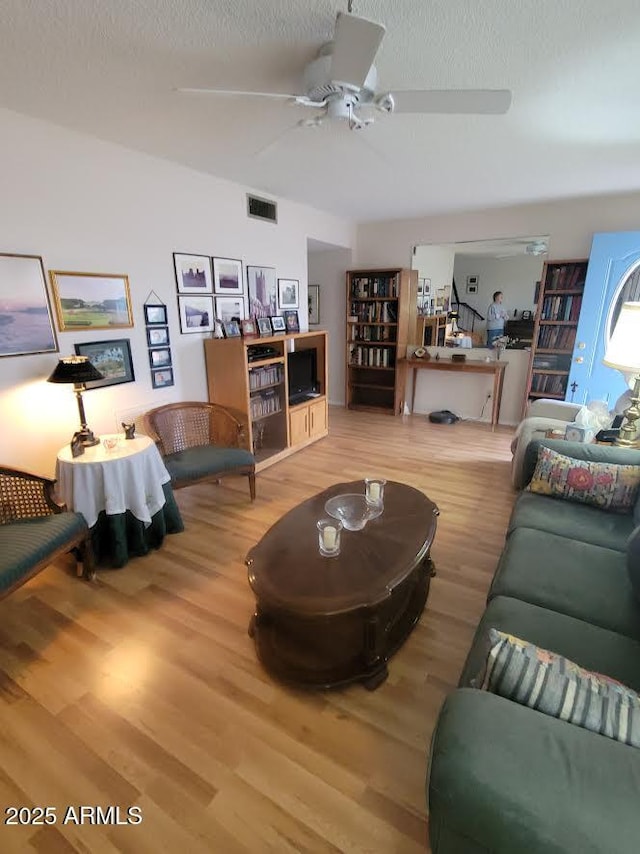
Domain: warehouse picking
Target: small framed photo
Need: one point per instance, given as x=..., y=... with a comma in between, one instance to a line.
x=288, y=293
x=472, y=288
x=193, y=273
x=158, y=336
x=196, y=314
x=231, y=329
x=291, y=320
x=112, y=358
x=155, y=315
x=227, y=276
x=160, y=357
x=313, y=298
x=264, y=326
x=249, y=328
x=278, y=324
x=162, y=378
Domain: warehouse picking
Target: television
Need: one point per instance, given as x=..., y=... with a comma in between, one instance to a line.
x=301, y=368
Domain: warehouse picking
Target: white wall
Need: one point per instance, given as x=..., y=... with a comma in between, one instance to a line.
x=92, y=206
x=515, y=277
x=327, y=268
x=435, y=263
x=570, y=225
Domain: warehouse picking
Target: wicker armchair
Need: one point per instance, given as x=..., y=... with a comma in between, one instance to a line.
x=35, y=530
x=200, y=442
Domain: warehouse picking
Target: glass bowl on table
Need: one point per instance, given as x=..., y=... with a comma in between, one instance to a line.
x=351, y=509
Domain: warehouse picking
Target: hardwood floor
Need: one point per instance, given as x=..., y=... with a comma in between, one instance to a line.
x=143, y=689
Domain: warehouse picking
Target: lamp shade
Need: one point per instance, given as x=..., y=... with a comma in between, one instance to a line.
x=74, y=369
x=623, y=349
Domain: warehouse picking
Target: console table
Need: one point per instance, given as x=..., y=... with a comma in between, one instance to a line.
x=472, y=366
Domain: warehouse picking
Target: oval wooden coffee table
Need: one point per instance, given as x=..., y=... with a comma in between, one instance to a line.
x=322, y=622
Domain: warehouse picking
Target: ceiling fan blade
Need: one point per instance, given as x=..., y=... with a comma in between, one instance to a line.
x=482, y=101
x=239, y=92
x=355, y=45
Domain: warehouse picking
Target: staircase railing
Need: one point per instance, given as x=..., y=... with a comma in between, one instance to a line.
x=467, y=314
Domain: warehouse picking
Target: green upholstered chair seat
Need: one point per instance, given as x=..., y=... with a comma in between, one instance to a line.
x=25, y=543
x=204, y=461
x=569, y=519
x=574, y=578
x=589, y=646
x=507, y=779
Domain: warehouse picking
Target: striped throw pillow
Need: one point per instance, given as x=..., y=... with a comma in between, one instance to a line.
x=604, y=485
x=551, y=684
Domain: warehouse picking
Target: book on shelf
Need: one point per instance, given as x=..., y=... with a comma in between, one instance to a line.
x=266, y=403
x=374, y=286
x=267, y=376
x=371, y=357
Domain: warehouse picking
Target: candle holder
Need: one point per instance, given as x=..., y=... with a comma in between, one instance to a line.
x=374, y=492
x=329, y=531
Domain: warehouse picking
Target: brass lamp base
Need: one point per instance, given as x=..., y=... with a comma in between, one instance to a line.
x=628, y=437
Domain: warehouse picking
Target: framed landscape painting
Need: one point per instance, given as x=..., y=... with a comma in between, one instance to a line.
x=196, y=314
x=193, y=273
x=227, y=276
x=25, y=314
x=228, y=308
x=91, y=300
x=111, y=358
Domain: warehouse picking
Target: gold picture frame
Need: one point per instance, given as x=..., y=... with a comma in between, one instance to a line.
x=91, y=300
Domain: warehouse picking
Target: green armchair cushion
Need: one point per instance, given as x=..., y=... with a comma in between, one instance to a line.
x=26, y=542
x=581, y=580
x=196, y=463
x=505, y=779
x=575, y=521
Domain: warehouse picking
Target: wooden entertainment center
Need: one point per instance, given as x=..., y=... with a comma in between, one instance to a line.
x=256, y=390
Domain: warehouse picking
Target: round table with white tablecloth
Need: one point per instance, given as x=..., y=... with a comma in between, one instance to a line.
x=124, y=493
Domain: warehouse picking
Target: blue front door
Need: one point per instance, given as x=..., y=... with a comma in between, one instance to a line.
x=614, y=256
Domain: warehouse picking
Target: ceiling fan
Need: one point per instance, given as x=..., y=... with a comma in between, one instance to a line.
x=342, y=81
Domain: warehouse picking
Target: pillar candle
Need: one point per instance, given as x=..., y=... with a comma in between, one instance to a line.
x=329, y=538
x=374, y=491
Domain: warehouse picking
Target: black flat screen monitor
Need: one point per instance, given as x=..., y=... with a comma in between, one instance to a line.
x=301, y=367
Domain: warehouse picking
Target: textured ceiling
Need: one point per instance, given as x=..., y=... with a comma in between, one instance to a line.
x=111, y=69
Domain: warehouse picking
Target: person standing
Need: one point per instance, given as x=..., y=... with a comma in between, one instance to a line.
x=496, y=316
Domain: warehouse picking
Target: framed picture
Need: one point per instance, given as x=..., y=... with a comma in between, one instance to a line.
x=196, y=314
x=158, y=336
x=249, y=328
x=162, y=378
x=193, y=273
x=231, y=329
x=288, y=293
x=278, y=324
x=155, y=315
x=230, y=308
x=526, y=315
x=426, y=287
x=25, y=313
x=262, y=291
x=112, y=358
x=420, y=287
x=472, y=289
x=227, y=276
x=91, y=300
x=160, y=357
x=313, y=299
x=291, y=321
x=264, y=326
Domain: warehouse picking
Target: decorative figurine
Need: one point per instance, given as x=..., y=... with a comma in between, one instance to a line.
x=77, y=447
x=129, y=430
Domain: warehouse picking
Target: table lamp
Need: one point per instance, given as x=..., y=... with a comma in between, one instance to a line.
x=79, y=371
x=623, y=353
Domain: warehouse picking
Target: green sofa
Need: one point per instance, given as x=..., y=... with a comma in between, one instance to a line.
x=504, y=778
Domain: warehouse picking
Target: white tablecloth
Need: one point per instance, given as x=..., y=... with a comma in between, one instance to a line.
x=130, y=477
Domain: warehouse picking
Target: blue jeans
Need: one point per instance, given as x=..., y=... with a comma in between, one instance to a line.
x=492, y=334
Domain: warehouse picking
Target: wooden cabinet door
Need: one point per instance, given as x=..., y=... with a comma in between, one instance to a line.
x=317, y=418
x=298, y=425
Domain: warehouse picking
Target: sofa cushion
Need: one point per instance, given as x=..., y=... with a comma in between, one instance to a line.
x=633, y=561
x=578, y=579
x=505, y=779
x=591, y=647
x=25, y=543
x=604, y=485
x=195, y=463
x=575, y=521
x=556, y=686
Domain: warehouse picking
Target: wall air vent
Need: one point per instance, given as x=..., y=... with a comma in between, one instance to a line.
x=262, y=209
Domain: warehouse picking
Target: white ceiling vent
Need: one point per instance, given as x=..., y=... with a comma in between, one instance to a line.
x=262, y=209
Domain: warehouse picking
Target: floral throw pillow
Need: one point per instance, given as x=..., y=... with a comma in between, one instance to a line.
x=549, y=683
x=605, y=485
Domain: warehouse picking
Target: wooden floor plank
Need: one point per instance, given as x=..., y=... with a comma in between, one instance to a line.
x=144, y=689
